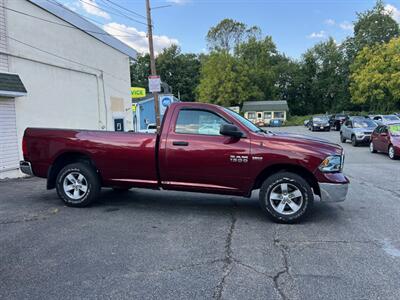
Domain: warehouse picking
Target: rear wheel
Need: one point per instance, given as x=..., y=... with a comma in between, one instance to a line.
x=286, y=197
x=371, y=147
x=342, y=138
x=78, y=184
x=392, y=153
x=337, y=128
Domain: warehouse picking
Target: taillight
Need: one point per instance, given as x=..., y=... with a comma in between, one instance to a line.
x=24, y=148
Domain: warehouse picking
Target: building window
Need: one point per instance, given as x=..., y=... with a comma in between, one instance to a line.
x=279, y=115
x=198, y=122
x=267, y=115
x=259, y=115
x=251, y=115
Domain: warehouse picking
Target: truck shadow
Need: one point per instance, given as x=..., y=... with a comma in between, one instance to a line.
x=196, y=203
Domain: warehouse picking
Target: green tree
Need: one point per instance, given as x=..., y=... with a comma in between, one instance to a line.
x=224, y=80
x=261, y=57
x=374, y=26
x=375, y=77
x=228, y=34
x=180, y=71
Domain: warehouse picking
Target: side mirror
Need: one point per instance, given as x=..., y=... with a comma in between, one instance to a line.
x=230, y=130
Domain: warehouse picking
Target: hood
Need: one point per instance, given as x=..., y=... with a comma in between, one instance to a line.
x=309, y=143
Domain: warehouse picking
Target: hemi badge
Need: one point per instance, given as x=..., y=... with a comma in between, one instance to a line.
x=257, y=158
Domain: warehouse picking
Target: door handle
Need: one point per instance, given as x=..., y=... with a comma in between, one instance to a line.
x=180, y=143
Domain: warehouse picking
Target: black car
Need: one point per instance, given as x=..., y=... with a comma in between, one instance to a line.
x=337, y=120
x=319, y=123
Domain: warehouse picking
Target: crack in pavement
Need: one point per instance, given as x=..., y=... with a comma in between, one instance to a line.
x=363, y=182
x=283, y=248
x=228, y=257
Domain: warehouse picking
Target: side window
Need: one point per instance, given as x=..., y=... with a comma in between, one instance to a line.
x=251, y=115
x=348, y=123
x=267, y=115
x=202, y=122
x=378, y=118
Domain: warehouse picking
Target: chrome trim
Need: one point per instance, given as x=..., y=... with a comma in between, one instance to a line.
x=25, y=167
x=333, y=192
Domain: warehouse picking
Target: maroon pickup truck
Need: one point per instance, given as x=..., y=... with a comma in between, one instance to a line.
x=200, y=148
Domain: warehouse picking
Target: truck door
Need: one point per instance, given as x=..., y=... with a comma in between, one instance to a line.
x=196, y=157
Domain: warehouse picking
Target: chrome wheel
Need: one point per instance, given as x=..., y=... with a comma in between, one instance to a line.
x=391, y=152
x=286, y=199
x=75, y=186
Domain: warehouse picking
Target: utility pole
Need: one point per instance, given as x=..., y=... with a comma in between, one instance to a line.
x=152, y=63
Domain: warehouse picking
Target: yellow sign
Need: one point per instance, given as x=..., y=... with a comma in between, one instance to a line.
x=134, y=107
x=137, y=92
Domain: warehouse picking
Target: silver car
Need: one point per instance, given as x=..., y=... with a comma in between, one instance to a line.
x=358, y=130
x=386, y=119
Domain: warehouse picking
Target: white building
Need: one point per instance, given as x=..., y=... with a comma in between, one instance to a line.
x=57, y=70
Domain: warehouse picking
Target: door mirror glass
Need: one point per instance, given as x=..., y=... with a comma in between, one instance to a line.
x=230, y=130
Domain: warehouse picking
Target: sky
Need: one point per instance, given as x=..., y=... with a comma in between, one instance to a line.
x=295, y=25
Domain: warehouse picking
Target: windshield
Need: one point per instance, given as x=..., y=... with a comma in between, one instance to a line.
x=363, y=123
x=394, y=129
x=243, y=121
x=320, y=119
x=391, y=118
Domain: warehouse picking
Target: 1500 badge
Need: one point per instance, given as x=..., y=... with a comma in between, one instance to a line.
x=239, y=158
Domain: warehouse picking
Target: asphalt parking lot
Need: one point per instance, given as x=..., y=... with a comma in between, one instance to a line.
x=167, y=245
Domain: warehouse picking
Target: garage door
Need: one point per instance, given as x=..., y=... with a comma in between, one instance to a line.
x=8, y=136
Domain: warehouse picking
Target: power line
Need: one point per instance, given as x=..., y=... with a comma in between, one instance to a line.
x=64, y=58
x=65, y=25
x=124, y=8
x=113, y=13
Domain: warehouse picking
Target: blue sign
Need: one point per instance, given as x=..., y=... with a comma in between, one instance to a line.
x=166, y=101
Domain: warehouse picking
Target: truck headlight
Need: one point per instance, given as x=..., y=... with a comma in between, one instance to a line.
x=332, y=163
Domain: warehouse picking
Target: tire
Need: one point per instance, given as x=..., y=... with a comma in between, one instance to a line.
x=78, y=185
x=354, y=141
x=337, y=128
x=342, y=138
x=312, y=128
x=328, y=129
x=283, y=212
x=371, y=147
x=392, y=153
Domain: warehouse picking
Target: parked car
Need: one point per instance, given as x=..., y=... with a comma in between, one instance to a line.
x=233, y=158
x=337, y=120
x=386, y=119
x=386, y=138
x=319, y=123
x=358, y=130
x=151, y=128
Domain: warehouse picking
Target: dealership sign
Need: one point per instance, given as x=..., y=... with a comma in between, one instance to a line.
x=138, y=92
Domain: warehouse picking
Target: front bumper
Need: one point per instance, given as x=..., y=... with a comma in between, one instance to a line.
x=363, y=138
x=25, y=167
x=333, y=192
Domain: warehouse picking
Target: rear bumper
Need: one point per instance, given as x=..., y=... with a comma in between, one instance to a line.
x=25, y=167
x=333, y=192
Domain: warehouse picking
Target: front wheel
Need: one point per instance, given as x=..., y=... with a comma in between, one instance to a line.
x=354, y=141
x=286, y=197
x=78, y=184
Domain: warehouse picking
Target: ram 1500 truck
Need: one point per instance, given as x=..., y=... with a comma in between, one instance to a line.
x=200, y=148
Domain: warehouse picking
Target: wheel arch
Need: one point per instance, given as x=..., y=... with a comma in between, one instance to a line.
x=64, y=159
x=296, y=169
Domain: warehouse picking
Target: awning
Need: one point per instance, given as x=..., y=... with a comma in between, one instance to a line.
x=11, y=85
